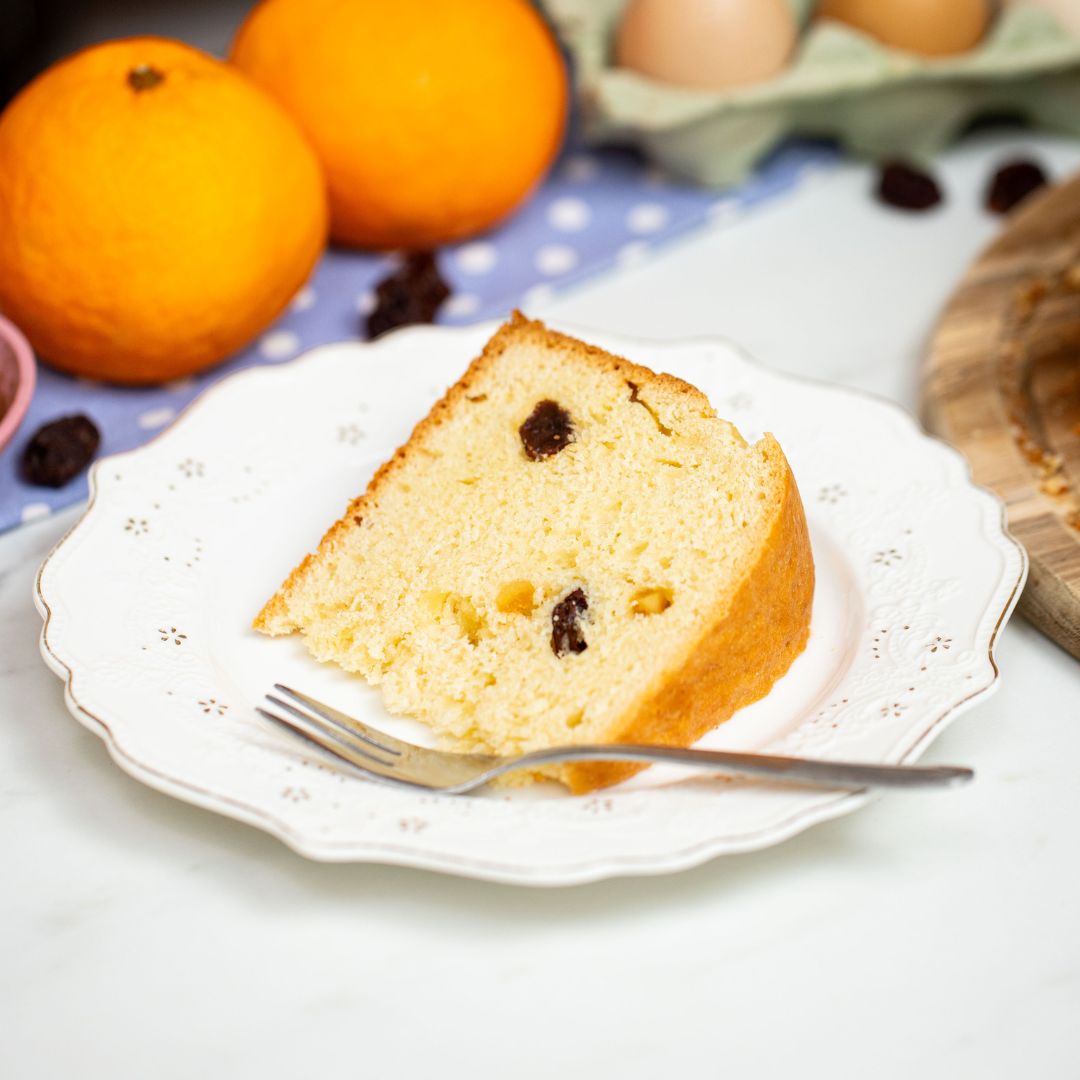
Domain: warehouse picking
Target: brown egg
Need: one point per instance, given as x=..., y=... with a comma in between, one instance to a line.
x=708, y=44
x=929, y=27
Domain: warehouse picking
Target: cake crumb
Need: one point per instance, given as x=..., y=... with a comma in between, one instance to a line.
x=1027, y=298
x=1051, y=464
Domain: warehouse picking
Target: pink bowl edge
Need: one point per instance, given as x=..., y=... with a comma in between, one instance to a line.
x=26, y=371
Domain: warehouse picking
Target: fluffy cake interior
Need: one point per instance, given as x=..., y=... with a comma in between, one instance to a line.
x=439, y=584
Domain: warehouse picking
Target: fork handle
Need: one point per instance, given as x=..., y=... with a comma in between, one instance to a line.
x=846, y=774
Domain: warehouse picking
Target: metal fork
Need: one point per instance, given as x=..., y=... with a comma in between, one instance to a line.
x=381, y=757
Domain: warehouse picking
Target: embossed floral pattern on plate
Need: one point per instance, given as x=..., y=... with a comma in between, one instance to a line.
x=148, y=601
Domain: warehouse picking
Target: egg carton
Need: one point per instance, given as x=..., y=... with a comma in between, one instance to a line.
x=876, y=101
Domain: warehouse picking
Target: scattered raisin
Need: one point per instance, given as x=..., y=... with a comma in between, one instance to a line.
x=1013, y=183
x=411, y=294
x=547, y=430
x=909, y=189
x=566, y=636
x=60, y=450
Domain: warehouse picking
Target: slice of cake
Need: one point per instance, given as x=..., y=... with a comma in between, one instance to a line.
x=569, y=548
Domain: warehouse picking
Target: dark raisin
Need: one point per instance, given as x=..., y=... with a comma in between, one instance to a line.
x=547, y=430
x=566, y=635
x=1013, y=183
x=60, y=450
x=902, y=186
x=411, y=294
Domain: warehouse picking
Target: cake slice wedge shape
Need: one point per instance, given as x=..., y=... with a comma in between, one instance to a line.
x=569, y=548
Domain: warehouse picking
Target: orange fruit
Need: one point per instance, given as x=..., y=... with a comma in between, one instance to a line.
x=434, y=119
x=157, y=210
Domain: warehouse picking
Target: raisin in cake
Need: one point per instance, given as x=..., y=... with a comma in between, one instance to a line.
x=569, y=548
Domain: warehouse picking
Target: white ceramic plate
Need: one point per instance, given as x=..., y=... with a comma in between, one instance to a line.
x=148, y=600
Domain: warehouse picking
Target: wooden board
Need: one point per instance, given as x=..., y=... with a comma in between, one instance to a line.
x=1002, y=384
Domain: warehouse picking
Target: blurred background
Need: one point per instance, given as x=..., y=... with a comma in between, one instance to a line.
x=34, y=33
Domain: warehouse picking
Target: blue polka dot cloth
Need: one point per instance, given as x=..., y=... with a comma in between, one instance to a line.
x=597, y=209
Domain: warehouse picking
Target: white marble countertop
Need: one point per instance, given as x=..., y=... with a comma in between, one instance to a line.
x=927, y=935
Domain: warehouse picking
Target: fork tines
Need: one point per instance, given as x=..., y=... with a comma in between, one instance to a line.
x=371, y=752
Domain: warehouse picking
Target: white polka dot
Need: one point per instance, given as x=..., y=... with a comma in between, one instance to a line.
x=632, y=254
x=647, y=218
x=569, y=214
x=279, y=344
x=723, y=210
x=537, y=296
x=479, y=257
x=304, y=299
x=180, y=386
x=155, y=418
x=365, y=302
x=462, y=303
x=579, y=167
x=553, y=259
x=34, y=512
